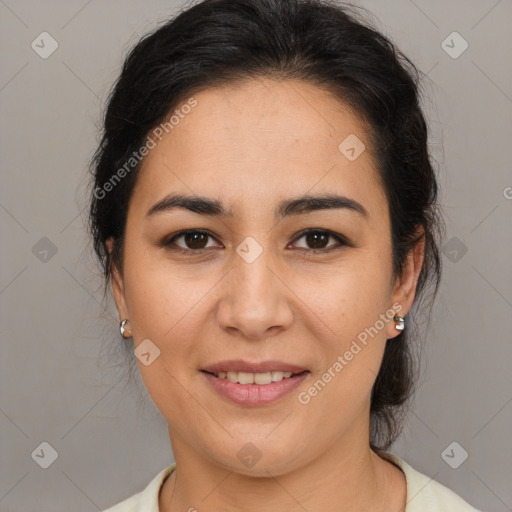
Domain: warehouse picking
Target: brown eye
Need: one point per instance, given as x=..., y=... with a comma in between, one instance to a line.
x=317, y=240
x=193, y=241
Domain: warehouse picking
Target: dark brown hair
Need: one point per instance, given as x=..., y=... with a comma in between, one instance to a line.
x=217, y=42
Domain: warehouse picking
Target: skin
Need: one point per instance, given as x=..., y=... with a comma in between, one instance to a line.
x=251, y=146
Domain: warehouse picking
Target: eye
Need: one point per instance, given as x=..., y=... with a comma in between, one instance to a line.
x=194, y=240
x=318, y=239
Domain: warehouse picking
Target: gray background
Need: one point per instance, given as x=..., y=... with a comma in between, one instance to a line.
x=61, y=379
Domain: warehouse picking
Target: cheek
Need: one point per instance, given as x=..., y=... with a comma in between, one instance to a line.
x=348, y=298
x=352, y=353
x=354, y=303
x=161, y=297
x=165, y=309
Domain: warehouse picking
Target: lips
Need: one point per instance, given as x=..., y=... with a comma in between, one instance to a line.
x=247, y=367
x=254, y=383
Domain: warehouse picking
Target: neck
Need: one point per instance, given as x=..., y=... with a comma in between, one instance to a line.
x=349, y=474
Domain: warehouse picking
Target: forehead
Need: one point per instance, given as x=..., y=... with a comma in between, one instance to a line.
x=261, y=139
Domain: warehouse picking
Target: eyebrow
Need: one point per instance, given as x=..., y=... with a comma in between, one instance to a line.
x=299, y=205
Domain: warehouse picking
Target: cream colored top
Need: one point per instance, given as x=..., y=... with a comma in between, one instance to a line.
x=423, y=493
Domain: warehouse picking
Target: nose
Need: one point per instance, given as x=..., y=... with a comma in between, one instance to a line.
x=255, y=301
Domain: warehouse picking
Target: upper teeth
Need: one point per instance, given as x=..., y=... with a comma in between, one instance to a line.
x=254, y=378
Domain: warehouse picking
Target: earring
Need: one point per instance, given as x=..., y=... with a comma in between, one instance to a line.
x=400, y=322
x=125, y=333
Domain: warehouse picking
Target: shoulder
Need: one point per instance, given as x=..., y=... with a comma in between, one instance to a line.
x=425, y=494
x=147, y=499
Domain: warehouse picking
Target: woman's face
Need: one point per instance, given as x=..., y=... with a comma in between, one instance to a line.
x=250, y=295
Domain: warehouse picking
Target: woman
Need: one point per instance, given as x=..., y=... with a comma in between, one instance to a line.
x=265, y=210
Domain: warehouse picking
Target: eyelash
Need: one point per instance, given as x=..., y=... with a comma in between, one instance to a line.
x=342, y=241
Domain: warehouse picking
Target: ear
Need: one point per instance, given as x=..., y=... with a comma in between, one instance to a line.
x=404, y=289
x=117, y=284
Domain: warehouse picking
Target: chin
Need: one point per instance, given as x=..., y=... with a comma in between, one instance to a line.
x=261, y=458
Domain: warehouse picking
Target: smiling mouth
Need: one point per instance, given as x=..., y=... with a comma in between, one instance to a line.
x=263, y=378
